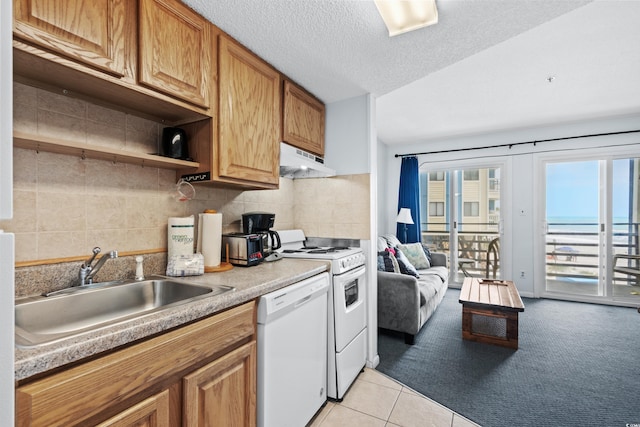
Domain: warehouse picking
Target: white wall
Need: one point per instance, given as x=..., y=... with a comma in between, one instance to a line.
x=383, y=210
x=347, y=134
x=6, y=287
x=351, y=148
x=522, y=224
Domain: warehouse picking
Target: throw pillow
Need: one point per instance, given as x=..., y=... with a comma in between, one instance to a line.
x=416, y=256
x=387, y=262
x=405, y=266
x=382, y=244
x=427, y=252
x=391, y=240
x=394, y=260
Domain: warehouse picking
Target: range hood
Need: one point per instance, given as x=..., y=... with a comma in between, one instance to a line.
x=297, y=163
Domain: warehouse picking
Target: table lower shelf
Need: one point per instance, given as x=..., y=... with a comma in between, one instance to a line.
x=490, y=325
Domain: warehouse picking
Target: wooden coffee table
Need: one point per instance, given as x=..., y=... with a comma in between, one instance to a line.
x=490, y=311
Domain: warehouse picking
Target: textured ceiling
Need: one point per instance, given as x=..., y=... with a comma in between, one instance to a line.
x=471, y=61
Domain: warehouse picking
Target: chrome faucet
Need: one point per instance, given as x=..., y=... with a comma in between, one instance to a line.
x=87, y=271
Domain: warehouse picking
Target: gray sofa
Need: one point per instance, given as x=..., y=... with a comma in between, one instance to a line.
x=405, y=302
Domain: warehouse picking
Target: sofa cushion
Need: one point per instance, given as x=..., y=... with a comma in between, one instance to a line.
x=440, y=272
x=415, y=254
x=428, y=290
x=405, y=265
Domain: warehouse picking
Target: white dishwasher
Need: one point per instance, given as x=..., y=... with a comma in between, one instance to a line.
x=292, y=353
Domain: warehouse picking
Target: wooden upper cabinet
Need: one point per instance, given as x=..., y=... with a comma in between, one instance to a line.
x=92, y=32
x=303, y=119
x=249, y=126
x=175, y=50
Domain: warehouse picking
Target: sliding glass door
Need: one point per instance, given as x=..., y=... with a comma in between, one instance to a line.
x=461, y=216
x=625, y=275
x=572, y=227
x=591, y=228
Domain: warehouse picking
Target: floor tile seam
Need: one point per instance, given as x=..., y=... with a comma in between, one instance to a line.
x=382, y=385
x=364, y=413
x=372, y=415
x=417, y=393
x=422, y=396
x=394, y=406
x=398, y=383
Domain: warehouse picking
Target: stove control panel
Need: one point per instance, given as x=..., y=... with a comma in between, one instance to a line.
x=349, y=262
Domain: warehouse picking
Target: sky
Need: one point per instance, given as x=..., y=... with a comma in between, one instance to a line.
x=573, y=189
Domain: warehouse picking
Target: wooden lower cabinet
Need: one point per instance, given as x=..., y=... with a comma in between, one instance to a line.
x=219, y=394
x=151, y=412
x=202, y=374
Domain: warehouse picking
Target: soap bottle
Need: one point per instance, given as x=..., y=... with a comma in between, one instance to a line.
x=139, y=269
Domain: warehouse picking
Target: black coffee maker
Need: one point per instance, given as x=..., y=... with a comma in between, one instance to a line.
x=261, y=223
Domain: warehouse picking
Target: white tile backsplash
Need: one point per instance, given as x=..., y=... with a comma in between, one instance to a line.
x=65, y=205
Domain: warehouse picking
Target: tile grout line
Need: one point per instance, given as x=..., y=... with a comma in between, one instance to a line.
x=422, y=396
x=394, y=405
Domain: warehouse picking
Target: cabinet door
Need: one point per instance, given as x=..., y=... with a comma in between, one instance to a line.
x=223, y=393
x=175, y=50
x=250, y=116
x=303, y=119
x=92, y=32
x=151, y=412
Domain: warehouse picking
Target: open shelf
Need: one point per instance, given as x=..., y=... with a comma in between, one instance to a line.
x=54, y=145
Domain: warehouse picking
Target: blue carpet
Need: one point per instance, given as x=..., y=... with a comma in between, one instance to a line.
x=577, y=365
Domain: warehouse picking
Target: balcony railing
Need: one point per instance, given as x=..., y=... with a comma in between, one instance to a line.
x=572, y=249
x=472, y=243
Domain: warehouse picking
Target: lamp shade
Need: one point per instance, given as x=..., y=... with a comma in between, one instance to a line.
x=404, y=216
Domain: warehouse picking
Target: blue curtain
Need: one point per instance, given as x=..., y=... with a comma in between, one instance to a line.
x=409, y=197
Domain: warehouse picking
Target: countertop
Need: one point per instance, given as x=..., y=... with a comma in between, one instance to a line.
x=249, y=283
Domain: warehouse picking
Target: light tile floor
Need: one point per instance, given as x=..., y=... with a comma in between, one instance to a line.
x=377, y=400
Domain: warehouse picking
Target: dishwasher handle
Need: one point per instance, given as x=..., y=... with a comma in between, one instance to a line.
x=302, y=301
x=278, y=303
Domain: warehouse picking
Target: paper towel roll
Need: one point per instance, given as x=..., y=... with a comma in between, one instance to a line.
x=210, y=238
x=180, y=236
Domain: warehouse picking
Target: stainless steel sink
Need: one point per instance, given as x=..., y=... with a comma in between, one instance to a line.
x=44, y=319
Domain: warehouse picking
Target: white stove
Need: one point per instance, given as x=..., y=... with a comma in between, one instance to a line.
x=343, y=258
x=347, y=323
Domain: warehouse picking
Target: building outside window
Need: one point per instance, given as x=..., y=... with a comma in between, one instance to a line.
x=494, y=206
x=436, y=176
x=471, y=175
x=471, y=208
x=436, y=208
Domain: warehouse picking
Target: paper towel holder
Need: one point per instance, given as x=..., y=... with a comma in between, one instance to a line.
x=224, y=265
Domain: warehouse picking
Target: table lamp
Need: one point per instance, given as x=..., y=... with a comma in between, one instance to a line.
x=404, y=217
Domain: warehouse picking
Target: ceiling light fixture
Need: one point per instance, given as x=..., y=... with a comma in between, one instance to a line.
x=401, y=16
